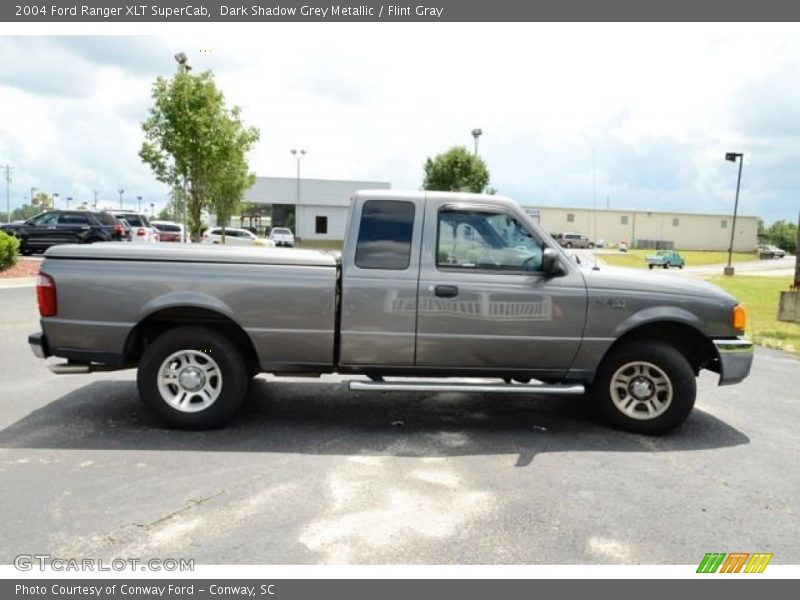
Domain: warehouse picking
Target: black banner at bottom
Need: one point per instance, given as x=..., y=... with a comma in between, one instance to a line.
x=385, y=589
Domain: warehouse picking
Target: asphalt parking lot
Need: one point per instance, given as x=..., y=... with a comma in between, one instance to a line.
x=310, y=473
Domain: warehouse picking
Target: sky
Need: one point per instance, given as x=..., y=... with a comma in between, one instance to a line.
x=630, y=116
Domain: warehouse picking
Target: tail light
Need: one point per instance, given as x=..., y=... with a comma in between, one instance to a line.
x=46, y=295
x=119, y=230
x=738, y=318
x=141, y=232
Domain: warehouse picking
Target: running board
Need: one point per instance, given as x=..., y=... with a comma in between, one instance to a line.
x=500, y=388
x=78, y=368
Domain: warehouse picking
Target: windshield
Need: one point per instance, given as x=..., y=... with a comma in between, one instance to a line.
x=281, y=230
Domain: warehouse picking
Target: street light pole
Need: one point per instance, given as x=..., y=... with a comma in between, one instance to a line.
x=298, y=155
x=95, y=199
x=121, y=191
x=476, y=133
x=69, y=199
x=56, y=195
x=732, y=156
x=139, y=200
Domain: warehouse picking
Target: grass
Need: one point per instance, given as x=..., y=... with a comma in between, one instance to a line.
x=760, y=297
x=320, y=244
x=693, y=258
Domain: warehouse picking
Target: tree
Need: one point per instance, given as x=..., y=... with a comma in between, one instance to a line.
x=187, y=134
x=233, y=177
x=457, y=170
x=783, y=234
x=42, y=202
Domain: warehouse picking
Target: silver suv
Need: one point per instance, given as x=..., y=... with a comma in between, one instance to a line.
x=573, y=240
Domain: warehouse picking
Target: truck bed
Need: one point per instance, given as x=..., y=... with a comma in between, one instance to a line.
x=283, y=300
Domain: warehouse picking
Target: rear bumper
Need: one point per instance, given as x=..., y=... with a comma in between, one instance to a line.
x=735, y=359
x=38, y=344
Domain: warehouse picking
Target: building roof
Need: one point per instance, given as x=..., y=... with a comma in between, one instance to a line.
x=624, y=211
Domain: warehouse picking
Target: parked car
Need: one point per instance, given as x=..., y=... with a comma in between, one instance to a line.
x=126, y=227
x=234, y=237
x=770, y=251
x=665, y=259
x=282, y=236
x=574, y=240
x=168, y=231
x=141, y=229
x=55, y=227
x=429, y=284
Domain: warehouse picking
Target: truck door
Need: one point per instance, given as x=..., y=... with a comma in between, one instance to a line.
x=379, y=282
x=484, y=303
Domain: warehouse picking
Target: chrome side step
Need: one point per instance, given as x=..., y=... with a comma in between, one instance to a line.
x=500, y=388
x=78, y=368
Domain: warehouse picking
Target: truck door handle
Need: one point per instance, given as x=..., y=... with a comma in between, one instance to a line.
x=446, y=291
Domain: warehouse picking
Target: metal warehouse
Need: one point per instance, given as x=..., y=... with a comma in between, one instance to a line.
x=650, y=229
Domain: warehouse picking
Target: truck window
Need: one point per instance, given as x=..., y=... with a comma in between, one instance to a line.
x=485, y=240
x=384, y=236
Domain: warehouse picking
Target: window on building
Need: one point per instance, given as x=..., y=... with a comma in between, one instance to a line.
x=623, y=220
x=570, y=217
x=321, y=225
x=723, y=224
x=384, y=235
x=676, y=222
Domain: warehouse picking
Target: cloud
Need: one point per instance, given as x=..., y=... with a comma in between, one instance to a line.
x=658, y=104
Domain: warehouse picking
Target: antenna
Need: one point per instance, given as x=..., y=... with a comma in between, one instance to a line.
x=594, y=214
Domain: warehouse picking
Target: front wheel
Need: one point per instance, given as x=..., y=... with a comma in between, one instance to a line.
x=645, y=387
x=192, y=378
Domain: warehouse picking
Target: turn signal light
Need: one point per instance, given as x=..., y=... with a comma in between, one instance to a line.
x=46, y=295
x=738, y=317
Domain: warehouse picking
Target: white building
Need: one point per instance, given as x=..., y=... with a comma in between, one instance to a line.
x=317, y=207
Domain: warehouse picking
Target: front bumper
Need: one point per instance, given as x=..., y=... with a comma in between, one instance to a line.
x=735, y=359
x=38, y=344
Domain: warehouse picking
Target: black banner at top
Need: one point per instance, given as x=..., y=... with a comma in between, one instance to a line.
x=233, y=11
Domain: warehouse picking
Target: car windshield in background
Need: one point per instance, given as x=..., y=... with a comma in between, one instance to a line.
x=281, y=230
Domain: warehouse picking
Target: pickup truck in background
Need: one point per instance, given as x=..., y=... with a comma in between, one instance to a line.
x=665, y=259
x=429, y=285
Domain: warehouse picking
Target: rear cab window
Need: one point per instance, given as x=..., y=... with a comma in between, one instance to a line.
x=384, y=235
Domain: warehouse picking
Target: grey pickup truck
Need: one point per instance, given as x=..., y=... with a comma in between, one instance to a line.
x=433, y=291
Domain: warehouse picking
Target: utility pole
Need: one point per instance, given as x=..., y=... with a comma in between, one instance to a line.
x=8, y=169
x=95, y=199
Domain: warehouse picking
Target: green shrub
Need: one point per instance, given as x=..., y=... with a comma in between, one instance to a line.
x=9, y=250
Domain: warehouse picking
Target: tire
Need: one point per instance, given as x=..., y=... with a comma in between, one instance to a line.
x=591, y=246
x=661, y=371
x=93, y=240
x=569, y=245
x=680, y=266
x=665, y=266
x=206, y=384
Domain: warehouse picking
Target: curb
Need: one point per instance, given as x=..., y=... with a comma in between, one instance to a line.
x=17, y=282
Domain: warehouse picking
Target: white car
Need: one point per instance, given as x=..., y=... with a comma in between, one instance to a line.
x=168, y=231
x=234, y=237
x=282, y=236
x=141, y=230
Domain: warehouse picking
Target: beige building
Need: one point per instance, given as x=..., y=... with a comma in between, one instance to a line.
x=686, y=231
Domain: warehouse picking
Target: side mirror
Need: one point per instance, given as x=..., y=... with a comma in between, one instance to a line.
x=551, y=265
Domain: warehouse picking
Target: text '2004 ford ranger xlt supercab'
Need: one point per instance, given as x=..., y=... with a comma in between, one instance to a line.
x=429, y=285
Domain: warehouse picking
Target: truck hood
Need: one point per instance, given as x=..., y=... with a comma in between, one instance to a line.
x=640, y=280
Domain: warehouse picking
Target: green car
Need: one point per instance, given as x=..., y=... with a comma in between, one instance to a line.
x=665, y=259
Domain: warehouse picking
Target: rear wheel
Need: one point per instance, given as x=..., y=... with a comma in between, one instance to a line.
x=645, y=387
x=650, y=266
x=192, y=378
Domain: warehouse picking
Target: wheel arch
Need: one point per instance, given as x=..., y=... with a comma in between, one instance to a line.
x=684, y=337
x=164, y=319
